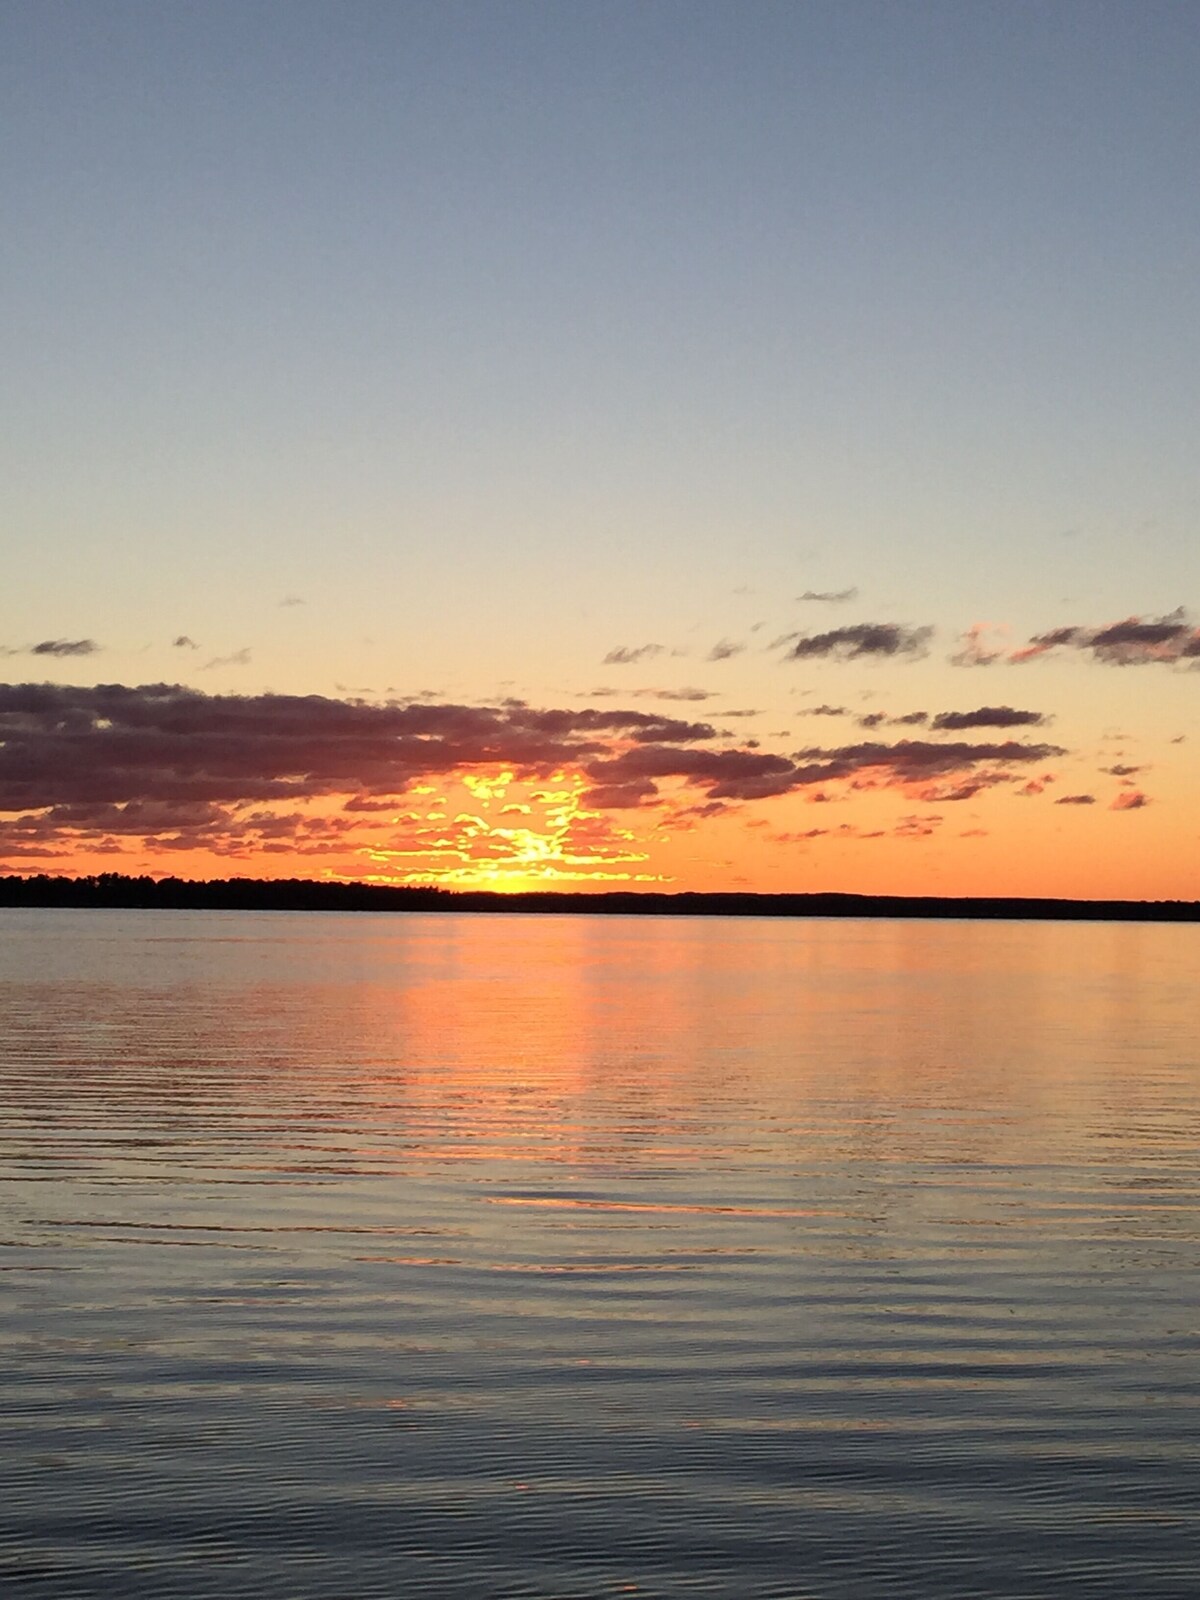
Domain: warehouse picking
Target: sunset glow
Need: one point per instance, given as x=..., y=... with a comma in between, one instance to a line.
x=424, y=474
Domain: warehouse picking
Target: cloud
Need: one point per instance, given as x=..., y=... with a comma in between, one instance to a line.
x=862, y=640
x=1131, y=800
x=111, y=745
x=178, y=769
x=829, y=596
x=1076, y=800
x=824, y=711
x=913, y=759
x=723, y=649
x=916, y=827
x=953, y=790
x=975, y=648
x=64, y=647
x=752, y=775
x=291, y=600
x=726, y=774
x=986, y=717
x=684, y=694
x=626, y=655
x=1121, y=770
x=239, y=658
x=1041, y=643
x=184, y=643
x=1132, y=642
x=879, y=719
x=619, y=796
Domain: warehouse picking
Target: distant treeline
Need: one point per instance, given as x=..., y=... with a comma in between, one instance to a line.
x=114, y=890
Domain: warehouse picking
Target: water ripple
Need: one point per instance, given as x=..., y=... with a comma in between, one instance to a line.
x=510, y=1259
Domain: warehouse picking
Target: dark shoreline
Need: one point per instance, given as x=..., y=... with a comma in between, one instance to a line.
x=116, y=892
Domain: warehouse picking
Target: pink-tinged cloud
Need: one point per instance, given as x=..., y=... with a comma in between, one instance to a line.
x=234, y=774
x=1131, y=800
x=1132, y=642
x=752, y=775
x=914, y=759
x=917, y=827
x=976, y=647
x=958, y=789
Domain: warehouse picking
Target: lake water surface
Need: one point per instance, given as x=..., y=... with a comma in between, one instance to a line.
x=510, y=1256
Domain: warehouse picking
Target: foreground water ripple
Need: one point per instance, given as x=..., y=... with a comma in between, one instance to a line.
x=519, y=1258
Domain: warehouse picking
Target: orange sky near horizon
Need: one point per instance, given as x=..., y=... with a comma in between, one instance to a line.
x=765, y=433
x=488, y=829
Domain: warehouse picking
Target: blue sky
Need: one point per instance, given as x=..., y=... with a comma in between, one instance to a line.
x=501, y=335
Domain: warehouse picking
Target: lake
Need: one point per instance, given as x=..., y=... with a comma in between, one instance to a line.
x=560, y=1258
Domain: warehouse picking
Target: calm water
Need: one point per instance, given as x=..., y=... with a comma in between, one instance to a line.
x=493, y=1257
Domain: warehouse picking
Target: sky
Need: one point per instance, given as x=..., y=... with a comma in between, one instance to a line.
x=603, y=444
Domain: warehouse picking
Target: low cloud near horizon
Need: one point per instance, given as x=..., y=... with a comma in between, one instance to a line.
x=188, y=769
x=55, y=647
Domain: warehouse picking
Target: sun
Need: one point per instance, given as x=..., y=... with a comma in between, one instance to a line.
x=492, y=830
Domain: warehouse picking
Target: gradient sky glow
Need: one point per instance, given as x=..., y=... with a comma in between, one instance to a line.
x=503, y=374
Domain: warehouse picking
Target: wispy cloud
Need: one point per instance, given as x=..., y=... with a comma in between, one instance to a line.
x=829, y=596
x=723, y=649
x=64, y=647
x=239, y=658
x=1132, y=642
x=685, y=694
x=861, y=640
x=978, y=647
x=184, y=643
x=623, y=655
x=920, y=758
x=986, y=717
x=748, y=774
x=880, y=719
